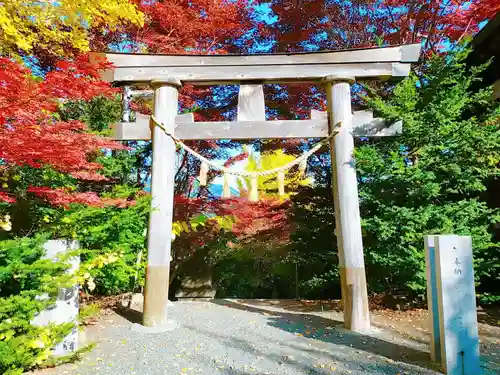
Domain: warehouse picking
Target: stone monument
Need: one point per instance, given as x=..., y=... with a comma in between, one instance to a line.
x=452, y=304
x=66, y=306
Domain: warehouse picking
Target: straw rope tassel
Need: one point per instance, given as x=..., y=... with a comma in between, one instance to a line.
x=281, y=183
x=226, y=191
x=254, y=192
x=203, y=174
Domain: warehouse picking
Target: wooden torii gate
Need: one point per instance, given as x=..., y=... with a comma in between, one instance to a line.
x=335, y=70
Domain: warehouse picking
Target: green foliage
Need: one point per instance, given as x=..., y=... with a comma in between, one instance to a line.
x=88, y=312
x=105, y=231
x=243, y=273
x=432, y=178
x=97, y=113
x=314, y=243
x=24, y=276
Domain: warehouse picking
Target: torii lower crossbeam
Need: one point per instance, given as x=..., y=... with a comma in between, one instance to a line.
x=364, y=125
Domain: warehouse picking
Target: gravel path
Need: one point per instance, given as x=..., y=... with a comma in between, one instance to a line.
x=227, y=337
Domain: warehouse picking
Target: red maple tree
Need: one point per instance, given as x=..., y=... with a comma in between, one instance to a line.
x=255, y=222
x=322, y=24
x=31, y=133
x=34, y=136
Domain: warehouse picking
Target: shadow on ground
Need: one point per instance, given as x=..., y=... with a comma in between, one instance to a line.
x=332, y=331
x=305, y=363
x=132, y=315
x=298, y=305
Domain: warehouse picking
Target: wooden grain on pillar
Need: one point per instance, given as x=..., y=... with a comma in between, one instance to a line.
x=160, y=217
x=347, y=216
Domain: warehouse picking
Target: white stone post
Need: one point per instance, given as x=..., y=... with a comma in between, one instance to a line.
x=162, y=191
x=347, y=216
x=66, y=305
x=432, y=297
x=458, y=337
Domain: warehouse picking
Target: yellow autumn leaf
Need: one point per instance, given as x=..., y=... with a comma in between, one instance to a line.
x=185, y=227
x=53, y=24
x=269, y=185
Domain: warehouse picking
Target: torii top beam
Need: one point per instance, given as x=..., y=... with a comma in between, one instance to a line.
x=264, y=68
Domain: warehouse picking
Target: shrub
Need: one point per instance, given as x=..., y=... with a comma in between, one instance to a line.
x=24, y=277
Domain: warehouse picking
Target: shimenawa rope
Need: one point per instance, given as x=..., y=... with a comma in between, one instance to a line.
x=255, y=174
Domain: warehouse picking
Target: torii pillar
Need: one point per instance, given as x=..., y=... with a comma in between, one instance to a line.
x=162, y=202
x=346, y=200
